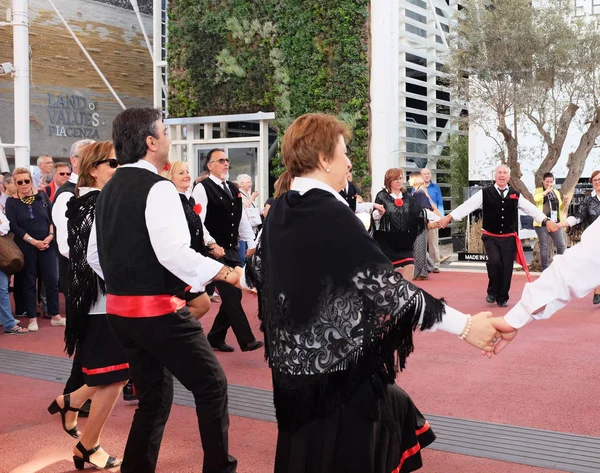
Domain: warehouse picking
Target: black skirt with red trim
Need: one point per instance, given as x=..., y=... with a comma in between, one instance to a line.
x=350, y=441
x=398, y=257
x=102, y=357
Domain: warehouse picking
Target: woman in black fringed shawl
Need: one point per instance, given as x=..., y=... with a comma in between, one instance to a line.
x=403, y=221
x=338, y=321
x=103, y=361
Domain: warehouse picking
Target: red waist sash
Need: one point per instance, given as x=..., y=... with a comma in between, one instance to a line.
x=520, y=255
x=142, y=306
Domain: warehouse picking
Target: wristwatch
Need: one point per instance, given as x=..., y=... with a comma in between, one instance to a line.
x=29, y=239
x=545, y=221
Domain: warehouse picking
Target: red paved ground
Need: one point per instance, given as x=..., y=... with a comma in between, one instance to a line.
x=548, y=378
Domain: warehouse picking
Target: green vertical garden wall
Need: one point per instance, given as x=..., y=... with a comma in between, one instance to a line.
x=287, y=56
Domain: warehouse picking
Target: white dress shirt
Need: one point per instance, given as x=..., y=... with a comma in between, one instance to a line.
x=453, y=320
x=4, y=223
x=572, y=220
x=59, y=208
x=476, y=202
x=572, y=274
x=169, y=235
x=245, y=229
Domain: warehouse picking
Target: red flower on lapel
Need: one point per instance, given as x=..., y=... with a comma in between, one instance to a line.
x=399, y=202
x=239, y=195
x=513, y=196
x=167, y=167
x=197, y=209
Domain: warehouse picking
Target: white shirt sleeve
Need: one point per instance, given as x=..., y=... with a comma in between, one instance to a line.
x=453, y=321
x=467, y=207
x=573, y=220
x=170, y=238
x=4, y=223
x=531, y=209
x=199, y=195
x=364, y=207
x=59, y=208
x=431, y=217
x=245, y=231
x=572, y=274
x=92, y=252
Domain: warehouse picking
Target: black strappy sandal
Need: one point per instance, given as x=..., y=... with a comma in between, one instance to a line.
x=54, y=408
x=81, y=461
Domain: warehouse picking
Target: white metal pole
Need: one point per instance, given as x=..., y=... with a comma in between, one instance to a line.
x=157, y=38
x=20, y=20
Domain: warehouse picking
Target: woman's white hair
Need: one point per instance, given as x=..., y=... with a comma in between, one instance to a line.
x=243, y=178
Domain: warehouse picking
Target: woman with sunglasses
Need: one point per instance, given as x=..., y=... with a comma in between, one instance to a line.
x=30, y=221
x=105, y=368
x=178, y=173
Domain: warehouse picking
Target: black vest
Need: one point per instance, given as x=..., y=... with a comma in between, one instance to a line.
x=500, y=215
x=223, y=215
x=350, y=196
x=63, y=263
x=126, y=255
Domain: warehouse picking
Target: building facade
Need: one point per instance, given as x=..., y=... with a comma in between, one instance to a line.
x=68, y=99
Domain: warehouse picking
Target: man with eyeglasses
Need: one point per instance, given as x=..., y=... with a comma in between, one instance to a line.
x=60, y=176
x=45, y=163
x=223, y=217
x=61, y=197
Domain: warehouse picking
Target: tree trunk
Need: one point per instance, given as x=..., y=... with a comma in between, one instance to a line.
x=555, y=145
x=576, y=161
x=512, y=158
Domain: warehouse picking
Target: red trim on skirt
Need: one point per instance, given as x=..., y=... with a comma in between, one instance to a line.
x=143, y=306
x=404, y=260
x=412, y=451
x=106, y=369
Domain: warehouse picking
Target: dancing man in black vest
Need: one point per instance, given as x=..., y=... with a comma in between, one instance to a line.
x=225, y=221
x=500, y=232
x=141, y=245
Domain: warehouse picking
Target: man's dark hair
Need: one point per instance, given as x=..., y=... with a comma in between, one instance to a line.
x=547, y=174
x=209, y=156
x=131, y=127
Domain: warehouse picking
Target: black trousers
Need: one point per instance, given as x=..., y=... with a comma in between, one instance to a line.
x=501, y=258
x=45, y=263
x=231, y=314
x=158, y=348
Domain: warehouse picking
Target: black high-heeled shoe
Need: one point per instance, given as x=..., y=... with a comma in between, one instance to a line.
x=54, y=408
x=81, y=461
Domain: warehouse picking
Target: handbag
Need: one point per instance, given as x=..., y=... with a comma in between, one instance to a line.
x=11, y=257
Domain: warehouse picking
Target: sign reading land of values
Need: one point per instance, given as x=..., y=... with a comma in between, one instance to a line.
x=72, y=116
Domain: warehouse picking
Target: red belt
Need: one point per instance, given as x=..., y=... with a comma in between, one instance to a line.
x=520, y=255
x=142, y=306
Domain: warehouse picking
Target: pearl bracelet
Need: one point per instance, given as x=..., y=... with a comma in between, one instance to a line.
x=465, y=331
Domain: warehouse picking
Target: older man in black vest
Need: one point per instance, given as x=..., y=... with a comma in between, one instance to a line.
x=500, y=233
x=141, y=244
x=225, y=221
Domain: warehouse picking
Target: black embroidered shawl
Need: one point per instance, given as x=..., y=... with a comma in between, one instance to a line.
x=334, y=312
x=84, y=283
x=400, y=226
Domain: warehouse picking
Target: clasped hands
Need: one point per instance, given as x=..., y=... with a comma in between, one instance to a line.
x=489, y=334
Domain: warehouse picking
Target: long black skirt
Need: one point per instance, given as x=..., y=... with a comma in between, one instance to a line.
x=347, y=441
x=102, y=357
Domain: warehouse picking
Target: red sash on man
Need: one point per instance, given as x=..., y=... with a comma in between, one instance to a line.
x=520, y=255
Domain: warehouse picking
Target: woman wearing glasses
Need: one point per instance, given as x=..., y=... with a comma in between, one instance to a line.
x=105, y=368
x=30, y=221
x=587, y=213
